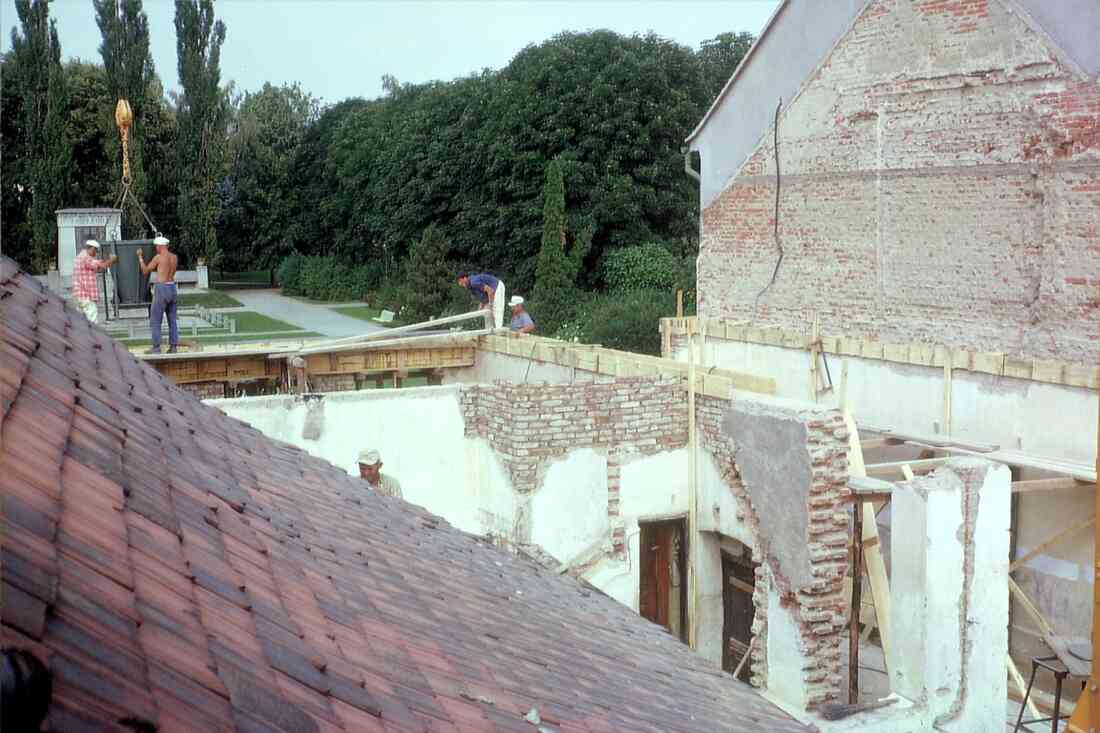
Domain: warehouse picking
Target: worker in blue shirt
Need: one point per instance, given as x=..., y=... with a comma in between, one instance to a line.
x=487, y=289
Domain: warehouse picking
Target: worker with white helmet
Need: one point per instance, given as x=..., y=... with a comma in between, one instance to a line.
x=370, y=470
x=86, y=268
x=164, y=293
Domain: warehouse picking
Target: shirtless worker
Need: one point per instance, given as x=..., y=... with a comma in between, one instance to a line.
x=164, y=294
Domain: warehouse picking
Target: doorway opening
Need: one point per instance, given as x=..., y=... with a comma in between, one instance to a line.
x=663, y=574
x=738, y=583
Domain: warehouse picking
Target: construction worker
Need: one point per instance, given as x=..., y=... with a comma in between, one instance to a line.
x=489, y=290
x=370, y=470
x=521, y=319
x=164, y=294
x=86, y=267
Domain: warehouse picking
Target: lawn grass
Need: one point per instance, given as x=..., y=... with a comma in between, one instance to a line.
x=209, y=299
x=221, y=339
x=253, y=322
x=365, y=313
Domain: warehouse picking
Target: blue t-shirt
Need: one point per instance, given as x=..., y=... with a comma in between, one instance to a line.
x=521, y=320
x=478, y=281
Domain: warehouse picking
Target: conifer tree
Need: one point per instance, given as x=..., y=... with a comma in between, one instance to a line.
x=201, y=125
x=555, y=291
x=124, y=28
x=37, y=70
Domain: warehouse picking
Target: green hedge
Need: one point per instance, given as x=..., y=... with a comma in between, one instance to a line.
x=326, y=278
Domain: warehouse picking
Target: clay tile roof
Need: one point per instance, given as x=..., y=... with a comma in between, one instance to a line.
x=173, y=565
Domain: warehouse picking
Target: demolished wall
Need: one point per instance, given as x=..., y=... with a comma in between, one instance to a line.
x=575, y=469
x=940, y=182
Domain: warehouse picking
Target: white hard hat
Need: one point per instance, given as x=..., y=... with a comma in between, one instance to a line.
x=160, y=241
x=516, y=300
x=369, y=457
x=92, y=243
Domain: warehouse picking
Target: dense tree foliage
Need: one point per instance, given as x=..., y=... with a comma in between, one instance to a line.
x=258, y=224
x=362, y=181
x=128, y=64
x=201, y=119
x=35, y=69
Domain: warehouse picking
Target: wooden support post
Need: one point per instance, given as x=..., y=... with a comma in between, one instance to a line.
x=693, y=534
x=947, y=395
x=856, y=605
x=813, y=359
x=872, y=553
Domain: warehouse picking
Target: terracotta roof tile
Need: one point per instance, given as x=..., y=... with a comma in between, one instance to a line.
x=172, y=565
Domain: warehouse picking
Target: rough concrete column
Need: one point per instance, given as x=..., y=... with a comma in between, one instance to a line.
x=949, y=593
x=202, y=272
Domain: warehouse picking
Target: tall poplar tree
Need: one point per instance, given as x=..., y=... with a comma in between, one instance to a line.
x=124, y=28
x=37, y=70
x=201, y=125
x=555, y=291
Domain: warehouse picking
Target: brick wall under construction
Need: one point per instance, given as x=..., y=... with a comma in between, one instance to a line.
x=940, y=182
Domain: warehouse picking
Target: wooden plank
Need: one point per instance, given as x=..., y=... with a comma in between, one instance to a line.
x=1021, y=686
x=1051, y=542
x=1030, y=608
x=937, y=441
x=1048, y=484
x=923, y=465
x=947, y=399
x=872, y=553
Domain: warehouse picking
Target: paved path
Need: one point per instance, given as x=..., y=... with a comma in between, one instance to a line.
x=310, y=316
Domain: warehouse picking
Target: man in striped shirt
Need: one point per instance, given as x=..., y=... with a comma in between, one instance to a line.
x=86, y=269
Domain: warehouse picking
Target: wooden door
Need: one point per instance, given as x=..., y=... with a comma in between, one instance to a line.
x=663, y=575
x=738, y=580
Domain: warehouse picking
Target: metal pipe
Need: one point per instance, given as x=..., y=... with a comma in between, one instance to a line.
x=687, y=165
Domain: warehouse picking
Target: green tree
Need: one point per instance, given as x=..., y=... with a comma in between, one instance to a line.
x=90, y=126
x=15, y=187
x=429, y=280
x=555, y=290
x=38, y=72
x=201, y=126
x=260, y=196
x=124, y=28
x=720, y=56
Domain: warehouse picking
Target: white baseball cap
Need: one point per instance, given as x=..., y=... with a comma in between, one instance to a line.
x=92, y=243
x=160, y=241
x=369, y=457
x=516, y=300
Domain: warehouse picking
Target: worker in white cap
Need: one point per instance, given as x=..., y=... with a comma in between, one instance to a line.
x=164, y=293
x=521, y=319
x=86, y=268
x=370, y=470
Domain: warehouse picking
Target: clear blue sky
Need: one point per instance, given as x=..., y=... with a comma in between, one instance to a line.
x=341, y=48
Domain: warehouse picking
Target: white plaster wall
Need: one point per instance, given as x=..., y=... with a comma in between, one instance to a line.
x=419, y=433
x=569, y=510
x=717, y=504
x=785, y=657
x=1049, y=420
x=653, y=486
x=619, y=579
x=491, y=366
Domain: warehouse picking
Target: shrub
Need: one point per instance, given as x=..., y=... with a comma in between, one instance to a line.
x=428, y=277
x=647, y=266
x=290, y=273
x=556, y=270
x=627, y=321
x=326, y=278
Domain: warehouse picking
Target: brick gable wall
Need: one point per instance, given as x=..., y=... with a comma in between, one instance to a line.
x=940, y=182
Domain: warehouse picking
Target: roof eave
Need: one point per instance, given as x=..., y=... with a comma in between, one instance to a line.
x=736, y=72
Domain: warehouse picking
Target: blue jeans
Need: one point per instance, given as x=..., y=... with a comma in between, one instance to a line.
x=164, y=302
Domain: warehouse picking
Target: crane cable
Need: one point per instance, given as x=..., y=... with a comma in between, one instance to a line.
x=124, y=118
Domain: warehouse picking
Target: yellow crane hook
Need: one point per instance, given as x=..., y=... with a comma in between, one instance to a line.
x=124, y=117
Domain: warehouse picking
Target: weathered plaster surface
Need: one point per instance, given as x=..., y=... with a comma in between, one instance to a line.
x=940, y=182
x=950, y=657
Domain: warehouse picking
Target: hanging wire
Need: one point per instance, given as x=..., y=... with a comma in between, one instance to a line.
x=778, y=244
